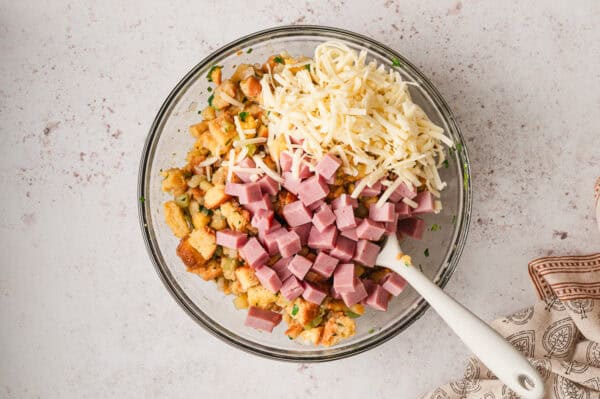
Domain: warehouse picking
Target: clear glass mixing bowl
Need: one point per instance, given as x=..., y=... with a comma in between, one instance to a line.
x=168, y=142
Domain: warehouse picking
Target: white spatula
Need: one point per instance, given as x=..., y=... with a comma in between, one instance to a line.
x=508, y=364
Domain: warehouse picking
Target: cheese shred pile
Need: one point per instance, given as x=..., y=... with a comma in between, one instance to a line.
x=339, y=103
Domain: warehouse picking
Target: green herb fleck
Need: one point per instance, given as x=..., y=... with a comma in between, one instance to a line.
x=426, y=252
x=210, y=99
x=243, y=115
x=371, y=331
x=459, y=147
x=200, y=112
x=421, y=268
x=249, y=50
x=466, y=178
x=295, y=310
x=278, y=60
x=142, y=199
x=435, y=227
x=228, y=142
x=219, y=251
x=445, y=163
x=290, y=338
x=351, y=314
x=251, y=149
x=396, y=62
x=212, y=69
x=206, y=211
x=406, y=264
x=453, y=220
x=307, y=67
x=209, y=89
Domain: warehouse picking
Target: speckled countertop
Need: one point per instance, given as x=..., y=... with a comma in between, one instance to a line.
x=83, y=313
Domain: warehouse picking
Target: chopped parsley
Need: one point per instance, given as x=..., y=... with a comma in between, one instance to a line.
x=453, y=219
x=249, y=50
x=212, y=69
x=209, y=89
x=278, y=60
x=228, y=142
x=206, y=211
x=351, y=314
x=307, y=67
x=396, y=62
x=243, y=115
x=295, y=310
x=142, y=199
x=459, y=147
x=445, y=163
x=426, y=252
x=210, y=99
x=371, y=331
x=435, y=227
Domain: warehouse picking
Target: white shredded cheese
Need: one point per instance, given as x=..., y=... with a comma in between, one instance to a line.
x=231, y=100
x=208, y=161
x=410, y=202
x=268, y=171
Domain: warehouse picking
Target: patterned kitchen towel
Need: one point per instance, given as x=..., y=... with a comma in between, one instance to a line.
x=560, y=334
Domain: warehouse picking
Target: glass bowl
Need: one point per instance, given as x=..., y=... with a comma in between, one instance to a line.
x=168, y=141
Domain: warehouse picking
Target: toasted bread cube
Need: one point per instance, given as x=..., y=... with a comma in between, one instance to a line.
x=204, y=241
x=215, y=196
x=174, y=182
x=337, y=327
x=245, y=275
x=261, y=297
x=199, y=128
x=188, y=254
x=209, y=271
x=175, y=219
x=310, y=337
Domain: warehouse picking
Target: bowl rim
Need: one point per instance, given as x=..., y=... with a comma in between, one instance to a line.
x=419, y=306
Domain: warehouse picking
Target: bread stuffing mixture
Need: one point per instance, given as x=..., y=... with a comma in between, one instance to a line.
x=299, y=169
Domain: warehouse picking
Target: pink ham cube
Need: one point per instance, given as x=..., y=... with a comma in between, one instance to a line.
x=391, y=227
x=344, y=200
x=314, y=206
x=403, y=210
x=343, y=278
x=296, y=214
x=231, y=238
x=366, y=253
x=371, y=191
x=253, y=253
x=268, y=185
x=343, y=249
x=403, y=191
x=268, y=278
x=291, y=183
x=303, y=170
x=393, y=283
x=299, y=266
x=323, y=217
x=263, y=203
x=369, y=285
x=327, y=166
x=425, y=201
x=291, y=288
x=378, y=298
x=281, y=268
x=313, y=293
x=312, y=189
x=412, y=227
x=244, y=176
x=324, y=264
x=322, y=239
x=289, y=244
x=303, y=232
x=262, y=319
x=233, y=189
x=355, y=295
x=285, y=161
x=344, y=218
x=383, y=213
x=334, y=294
x=370, y=230
x=249, y=192
x=269, y=239
x=264, y=221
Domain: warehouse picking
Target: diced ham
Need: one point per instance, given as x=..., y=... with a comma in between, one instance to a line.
x=344, y=200
x=343, y=278
x=378, y=298
x=322, y=239
x=316, y=205
x=249, y=192
x=393, y=283
x=383, y=213
x=262, y=319
x=327, y=166
x=281, y=268
x=291, y=288
x=403, y=191
x=270, y=240
x=344, y=218
x=313, y=293
x=231, y=238
x=323, y=217
x=343, y=249
x=366, y=253
x=299, y=266
x=233, y=189
x=372, y=191
x=391, y=227
x=413, y=227
x=324, y=264
x=355, y=295
x=312, y=189
x=285, y=161
x=291, y=183
x=425, y=201
x=263, y=203
x=295, y=214
x=303, y=232
x=253, y=253
x=303, y=170
x=268, y=278
x=369, y=285
x=264, y=221
x=334, y=294
x=288, y=244
x=403, y=210
x=246, y=177
x=370, y=230
x=268, y=185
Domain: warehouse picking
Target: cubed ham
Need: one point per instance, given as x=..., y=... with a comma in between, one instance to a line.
x=288, y=244
x=263, y=203
x=366, y=253
x=291, y=288
x=312, y=293
x=425, y=201
x=369, y=285
x=262, y=319
x=268, y=185
x=324, y=264
x=264, y=221
x=253, y=253
x=296, y=214
x=355, y=295
x=391, y=227
x=291, y=183
x=351, y=234
x=370, y=230
x=403, y=191
x=343, y=249
x=344, y=218
x=270, y=240
x=322, y=239
x=393, y=283
x=249, y=192
x=281, y=268
x=372, y=191
x=343, y=278
x=233, y=189
x=304, y=170
x=378, y=298
x=285, y=161
x=316, y=205
x=334, y=294
x=383, y=213
x=344, y=200
x=268, y=278
x=303, y=232
x=299, y=266
x=244, y=176
x=231, y=238
x=323, y=217
x=327, y=166
x=312, y=189
x=403, y=211
x=412, y=227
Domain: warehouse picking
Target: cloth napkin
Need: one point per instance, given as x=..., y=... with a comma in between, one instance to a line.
x=560, y=335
